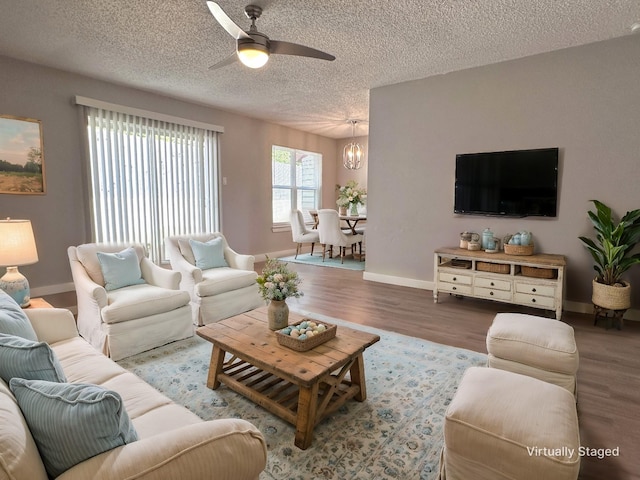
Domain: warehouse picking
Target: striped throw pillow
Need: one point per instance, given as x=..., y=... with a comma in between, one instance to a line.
x=71, y=422
x=24, y=358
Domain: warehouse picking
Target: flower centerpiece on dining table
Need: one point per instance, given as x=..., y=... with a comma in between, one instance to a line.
x=277, y=283
x=351, y=195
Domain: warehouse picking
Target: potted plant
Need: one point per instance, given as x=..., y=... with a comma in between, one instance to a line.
x=350, y=194
x=276, y=284
x=611, y=252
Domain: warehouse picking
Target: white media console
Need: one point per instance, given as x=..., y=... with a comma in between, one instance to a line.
x=532, y=280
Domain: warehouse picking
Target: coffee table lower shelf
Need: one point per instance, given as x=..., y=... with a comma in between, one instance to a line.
x=281, y=397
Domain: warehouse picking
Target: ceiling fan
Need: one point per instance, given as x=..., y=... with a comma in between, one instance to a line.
x=252, y=47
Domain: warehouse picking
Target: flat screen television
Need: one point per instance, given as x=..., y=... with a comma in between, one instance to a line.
x=518, y=183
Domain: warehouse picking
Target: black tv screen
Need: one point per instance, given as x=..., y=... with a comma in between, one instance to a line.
x=516, y=183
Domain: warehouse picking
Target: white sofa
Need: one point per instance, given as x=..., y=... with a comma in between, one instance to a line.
x=131, y=319
x=216, y=293
x=173, y=443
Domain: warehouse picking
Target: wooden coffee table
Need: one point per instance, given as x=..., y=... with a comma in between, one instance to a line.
x=299, y=387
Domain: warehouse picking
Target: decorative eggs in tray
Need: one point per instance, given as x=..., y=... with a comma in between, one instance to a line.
x=306, y=334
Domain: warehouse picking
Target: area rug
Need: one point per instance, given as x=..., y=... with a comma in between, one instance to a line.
x=316, y=259
x=395, y=434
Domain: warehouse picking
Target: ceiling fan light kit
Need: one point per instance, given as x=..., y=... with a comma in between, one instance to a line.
x=254, y=48
x=353, y=153
x=252, y=54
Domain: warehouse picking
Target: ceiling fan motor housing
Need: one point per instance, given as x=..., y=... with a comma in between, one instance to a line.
x=258, y=41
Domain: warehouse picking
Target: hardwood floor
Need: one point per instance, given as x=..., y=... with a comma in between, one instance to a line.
x=608, y=379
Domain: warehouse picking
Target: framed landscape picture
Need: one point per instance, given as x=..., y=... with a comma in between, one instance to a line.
x=21, y=156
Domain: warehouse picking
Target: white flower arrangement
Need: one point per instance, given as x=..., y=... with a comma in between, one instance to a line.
x=350, y=194
x=277, y=282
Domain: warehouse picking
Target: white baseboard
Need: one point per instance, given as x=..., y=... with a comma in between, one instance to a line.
x=401, y=281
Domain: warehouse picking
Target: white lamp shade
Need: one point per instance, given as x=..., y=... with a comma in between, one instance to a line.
x=17, y=243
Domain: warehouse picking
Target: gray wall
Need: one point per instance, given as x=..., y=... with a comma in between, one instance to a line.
x=59, y=218
x=584, y=100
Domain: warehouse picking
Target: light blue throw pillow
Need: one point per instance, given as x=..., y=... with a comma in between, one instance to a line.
x=24, y=358
x=71, y=422
x=13, y=320
x=209, y=254
x=120, y=269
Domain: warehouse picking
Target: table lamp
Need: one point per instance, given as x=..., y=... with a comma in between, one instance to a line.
x=17, y=247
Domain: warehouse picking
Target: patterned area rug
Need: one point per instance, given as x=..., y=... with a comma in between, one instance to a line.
x=395, y=434
x=316, y=259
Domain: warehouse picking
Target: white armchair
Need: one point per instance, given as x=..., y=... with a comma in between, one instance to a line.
x=300, y=232
x=221, y=291
x=123, y=321
x=331, y=234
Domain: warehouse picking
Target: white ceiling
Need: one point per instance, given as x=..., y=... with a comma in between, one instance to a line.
x=167, y=46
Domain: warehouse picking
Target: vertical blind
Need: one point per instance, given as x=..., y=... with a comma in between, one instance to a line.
x=150, y=179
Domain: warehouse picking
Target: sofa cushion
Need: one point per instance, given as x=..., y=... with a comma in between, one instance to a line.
x=72, y=422
x=208, y=254
x=139, y=301
x=120, y=269
x=24, y=358
x=13, y=320
x=19, y=457
x=87, y=254
x=221, y=280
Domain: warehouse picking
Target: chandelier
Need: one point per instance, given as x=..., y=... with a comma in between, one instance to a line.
x=353, y=153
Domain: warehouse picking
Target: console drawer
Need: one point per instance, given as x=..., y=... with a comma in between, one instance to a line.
x=492, y=293
x=538, y=300
x=493, y=283
x=455, y=278
x=544, y=290
x=453, y=288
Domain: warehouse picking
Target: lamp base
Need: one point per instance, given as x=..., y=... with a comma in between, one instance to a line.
x=16, y=286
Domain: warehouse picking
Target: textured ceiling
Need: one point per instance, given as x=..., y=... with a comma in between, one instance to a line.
x=167, y=46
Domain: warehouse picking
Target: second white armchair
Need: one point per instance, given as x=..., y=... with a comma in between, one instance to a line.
x=220, y=281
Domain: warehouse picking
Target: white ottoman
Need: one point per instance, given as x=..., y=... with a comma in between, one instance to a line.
x=540, y=347
x=505, y=426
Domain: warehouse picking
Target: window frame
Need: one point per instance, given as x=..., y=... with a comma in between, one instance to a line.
x=295, y=154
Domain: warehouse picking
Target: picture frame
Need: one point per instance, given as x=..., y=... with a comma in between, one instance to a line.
x=21, y=156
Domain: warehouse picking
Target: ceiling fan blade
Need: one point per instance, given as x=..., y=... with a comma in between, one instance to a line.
x=223, y=19
x=223, y=63
x=288, y=48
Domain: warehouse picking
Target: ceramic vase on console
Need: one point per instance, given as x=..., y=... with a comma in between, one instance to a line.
x=278, y=314
x=354, y=210
x=342, y=210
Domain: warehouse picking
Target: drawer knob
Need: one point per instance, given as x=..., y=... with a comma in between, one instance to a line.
x=455, y=279
x=533, y=300
x=490, y=293
x=453, y=288
x=492, y=284
x=533, y=290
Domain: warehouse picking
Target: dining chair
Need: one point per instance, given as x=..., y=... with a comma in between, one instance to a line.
x=300, y=233
x=332, y=235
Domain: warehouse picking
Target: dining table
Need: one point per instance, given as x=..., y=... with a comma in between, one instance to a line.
x=352, y=221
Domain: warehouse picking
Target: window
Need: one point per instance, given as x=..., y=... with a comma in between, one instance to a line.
x=150, y=179
x=296, y=182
